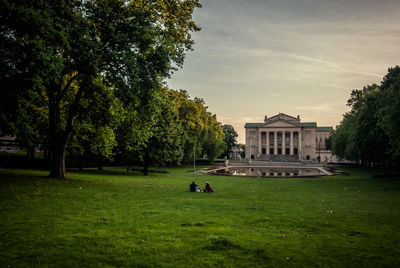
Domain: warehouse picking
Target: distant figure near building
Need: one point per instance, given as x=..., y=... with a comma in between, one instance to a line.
x=284, y=138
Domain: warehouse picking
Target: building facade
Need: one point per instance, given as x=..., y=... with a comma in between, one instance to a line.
x=9, y=144
x=285, y=138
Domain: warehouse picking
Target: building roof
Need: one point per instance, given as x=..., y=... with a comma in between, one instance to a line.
x=253, y=124
x=308, y=124
x=282, y=116
x=302, y=124
x=324, y=129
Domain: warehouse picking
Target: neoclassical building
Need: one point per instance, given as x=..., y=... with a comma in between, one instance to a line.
x=285, y=138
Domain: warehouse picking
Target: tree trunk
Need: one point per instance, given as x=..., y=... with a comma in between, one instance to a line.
x=99, y=162
x=146, y=164
x=56, y=148
x=59, y=137
x=30, y=153
x=80, y=162
x=45, y=154
x=58, y=144
x=146, y=169
x=57, y=167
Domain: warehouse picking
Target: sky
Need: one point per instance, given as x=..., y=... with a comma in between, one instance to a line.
x=254, y=58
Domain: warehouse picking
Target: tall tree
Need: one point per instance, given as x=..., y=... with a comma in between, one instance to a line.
x=358, y=137
x=165, y=147
x=230, y=139
x=213, y=144
x=194, y=128
x=389, y=112
x=200, y=131
x=370, y=131
x=61, y=53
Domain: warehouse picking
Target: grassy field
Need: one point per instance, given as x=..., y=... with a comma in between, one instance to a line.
x=108, y=218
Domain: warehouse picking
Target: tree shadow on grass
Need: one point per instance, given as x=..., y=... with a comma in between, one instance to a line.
x=222, y=244
x=10, y=174
x=388, y=176
x=29, y=175
x=114, y=172
x=104, y=172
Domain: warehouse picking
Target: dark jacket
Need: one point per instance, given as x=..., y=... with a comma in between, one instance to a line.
x=193, y=187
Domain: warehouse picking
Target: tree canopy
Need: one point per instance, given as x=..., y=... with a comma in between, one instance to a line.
x=370, y=132
x=230, y=139
x=66, y=59
x=181, y=127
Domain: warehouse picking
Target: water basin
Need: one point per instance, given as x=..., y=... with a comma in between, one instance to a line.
x=270, y=171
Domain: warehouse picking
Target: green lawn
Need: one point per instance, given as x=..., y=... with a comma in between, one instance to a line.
x=108, y=218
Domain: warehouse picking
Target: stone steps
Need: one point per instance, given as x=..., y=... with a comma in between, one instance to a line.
x=279, y=158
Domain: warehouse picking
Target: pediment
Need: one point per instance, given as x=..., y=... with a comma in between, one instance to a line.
x=282, y=116
x=279, y=123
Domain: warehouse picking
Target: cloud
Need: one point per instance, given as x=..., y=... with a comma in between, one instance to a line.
x=365, y=73
x=333, y=85
x=274, y=95
x=326, y=107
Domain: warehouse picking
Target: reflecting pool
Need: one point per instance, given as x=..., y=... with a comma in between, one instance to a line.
x=269, y=172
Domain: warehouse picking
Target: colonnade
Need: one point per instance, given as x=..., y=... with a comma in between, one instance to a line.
x=270, y=145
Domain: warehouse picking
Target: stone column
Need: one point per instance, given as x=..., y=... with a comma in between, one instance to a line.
x=291, y=143
x=300, y=147
x=267, y=147
x=259, y=143
x=264, y=145
x=275, y=142
x=283, y=142
x=250, y=150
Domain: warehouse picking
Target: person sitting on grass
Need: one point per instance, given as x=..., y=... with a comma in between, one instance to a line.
x=193, y=187
x=208, y=188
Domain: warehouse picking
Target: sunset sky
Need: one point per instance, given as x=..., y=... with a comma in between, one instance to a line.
x=299, y=57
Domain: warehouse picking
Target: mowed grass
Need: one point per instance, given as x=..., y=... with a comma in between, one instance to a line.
x=112, y=219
